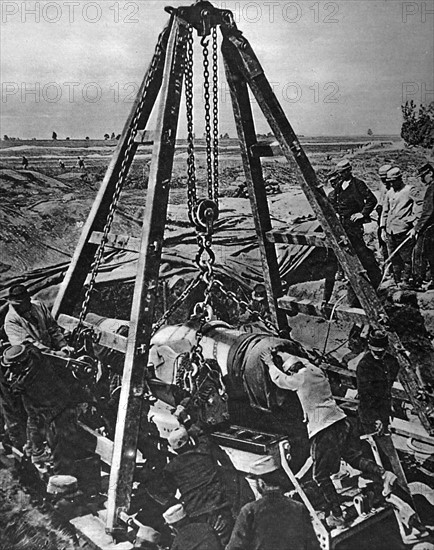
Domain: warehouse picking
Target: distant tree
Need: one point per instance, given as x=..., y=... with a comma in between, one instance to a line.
x=67, y=138
x=87, y=138
x=113, y=136
x=106, y=136
x=418, y=125
x=370, y=132
x=226, y=136
x=118, y=137
x=5, y=138
x=54, y=136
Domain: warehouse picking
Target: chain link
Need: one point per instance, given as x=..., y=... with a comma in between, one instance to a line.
x=209, y=160
x=232, y=296
x=191, y=165
x=183, y=296
x=215, y=111
x=126, y=161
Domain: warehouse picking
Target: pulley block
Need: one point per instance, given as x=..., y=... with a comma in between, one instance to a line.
x=205, y=214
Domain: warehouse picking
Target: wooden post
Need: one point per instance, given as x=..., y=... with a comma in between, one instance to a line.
x=256, y=188
x=134, y=387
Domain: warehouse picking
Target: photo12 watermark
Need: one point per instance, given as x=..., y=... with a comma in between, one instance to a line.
x=70, y=12
x=417, y=11
x=417, y=91
x=117, y=92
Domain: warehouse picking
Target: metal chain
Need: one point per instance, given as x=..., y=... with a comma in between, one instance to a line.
x=183, y=296
x=232, y=296
x=215, y=112
x=119, y=185
x=191, y=165
x=209, y=160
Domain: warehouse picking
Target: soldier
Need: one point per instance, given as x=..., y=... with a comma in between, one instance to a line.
x=384, y=187
x=354, y=202
x=331, y=434
x=400, y=208
x=24, y=162
x=274, y=521
x=47, y=392
x=423, y=230
x=194, y=472
x=189, y=535
x=376, y=371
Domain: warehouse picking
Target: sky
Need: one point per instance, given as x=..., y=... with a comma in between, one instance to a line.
x=337, y=67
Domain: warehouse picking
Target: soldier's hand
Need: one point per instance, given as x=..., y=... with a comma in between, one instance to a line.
x=357, y=216
x=379, y=427
x=266, y=357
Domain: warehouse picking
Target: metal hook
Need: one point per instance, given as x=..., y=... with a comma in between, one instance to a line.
x=204, y=43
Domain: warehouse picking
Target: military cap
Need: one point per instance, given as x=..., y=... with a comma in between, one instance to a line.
x=174, y=514
x=15, y=354
x=425, y=169
x=343, y=165
x=63, y=486
x=382, y=171
x=394, y=174
x=18, y=294
x=378, y=339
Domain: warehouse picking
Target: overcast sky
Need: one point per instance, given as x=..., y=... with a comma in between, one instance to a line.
x=338, y=67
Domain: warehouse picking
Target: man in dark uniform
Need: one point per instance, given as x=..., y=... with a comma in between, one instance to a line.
x=194, y=472
x=423, y=230
x=354, y=202
x=49, y=392
x=274, y=521
x=376, y=372
x=190, y=535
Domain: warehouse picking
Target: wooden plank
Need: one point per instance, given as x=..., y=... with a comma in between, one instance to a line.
x=92, y=530
x=287, y=236
x=119, y=242
x=107, y=339
x=259, y=150
x=134, y=386
x=308, y=307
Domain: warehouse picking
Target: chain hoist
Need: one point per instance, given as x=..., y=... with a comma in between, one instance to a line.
x=126, y=161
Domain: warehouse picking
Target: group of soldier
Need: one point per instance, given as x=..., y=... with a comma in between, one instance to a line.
x=405, y=227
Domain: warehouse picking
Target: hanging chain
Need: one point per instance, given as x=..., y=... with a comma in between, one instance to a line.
x=182, y=297
x=119, y=184
x=209, y=160
x=215, y=111
x=232, y=296
x=191, y=165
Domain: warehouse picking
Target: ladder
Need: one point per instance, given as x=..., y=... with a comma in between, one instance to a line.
x=165, y=76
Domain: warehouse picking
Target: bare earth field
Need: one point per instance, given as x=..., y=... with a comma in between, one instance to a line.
x=43, y=208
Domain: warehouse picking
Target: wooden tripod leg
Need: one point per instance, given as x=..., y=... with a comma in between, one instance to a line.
x=122, y=158
x=256, y=187
x=134, y=387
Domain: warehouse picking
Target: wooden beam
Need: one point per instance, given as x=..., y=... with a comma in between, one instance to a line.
x=259, y=150
x=107, y=339
x=308, y=307
x=134, y=386
x=119, y=242
x=287, y=236
x=256, y=188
